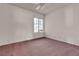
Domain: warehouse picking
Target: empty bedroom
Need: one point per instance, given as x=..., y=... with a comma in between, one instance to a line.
x=39, y=29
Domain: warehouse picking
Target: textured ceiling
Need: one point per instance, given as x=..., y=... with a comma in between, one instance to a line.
x=45, y=7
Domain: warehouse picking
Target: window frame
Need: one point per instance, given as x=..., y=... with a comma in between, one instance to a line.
x=38, y=25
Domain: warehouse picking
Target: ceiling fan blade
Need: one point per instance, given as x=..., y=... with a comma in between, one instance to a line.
x=39, y=6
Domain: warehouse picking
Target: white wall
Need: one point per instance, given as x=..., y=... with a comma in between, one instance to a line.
x=16, y=24
x=62, y=24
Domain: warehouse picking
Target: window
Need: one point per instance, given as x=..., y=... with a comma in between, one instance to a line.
x=38, y=25
x=35, y=24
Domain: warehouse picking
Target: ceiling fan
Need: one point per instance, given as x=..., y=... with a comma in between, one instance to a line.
x=39, y=6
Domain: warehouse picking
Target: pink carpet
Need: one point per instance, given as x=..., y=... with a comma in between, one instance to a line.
x=40, y=47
